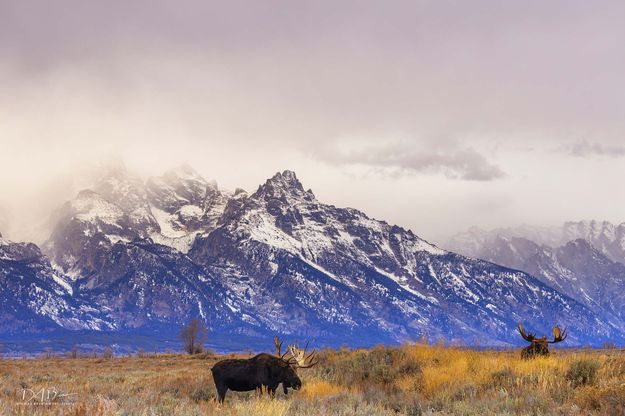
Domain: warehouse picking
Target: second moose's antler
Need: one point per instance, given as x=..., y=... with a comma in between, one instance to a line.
x=558, y=335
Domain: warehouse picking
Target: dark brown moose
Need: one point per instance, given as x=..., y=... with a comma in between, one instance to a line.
x=540, y=346
x=263, y=371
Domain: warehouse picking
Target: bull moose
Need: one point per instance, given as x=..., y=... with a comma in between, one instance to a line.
x=540, y=346
x=261, y=371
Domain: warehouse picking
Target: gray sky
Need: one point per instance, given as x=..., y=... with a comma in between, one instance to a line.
x=434, y=115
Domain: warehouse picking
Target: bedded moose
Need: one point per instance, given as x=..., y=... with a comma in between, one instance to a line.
x=263, y=371
x=539, y=346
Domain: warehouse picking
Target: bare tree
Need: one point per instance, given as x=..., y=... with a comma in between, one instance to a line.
x=107, y=353
x=49, y=352
x=278, y=345
x=74, y=352
x=193, y=336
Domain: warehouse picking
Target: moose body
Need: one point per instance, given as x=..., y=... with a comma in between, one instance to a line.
x=537, y=348
x=261, y=371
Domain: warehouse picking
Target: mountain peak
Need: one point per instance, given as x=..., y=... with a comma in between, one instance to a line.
x=580, y=244
x=282, y=184
x=287, y=177
x=184, y=172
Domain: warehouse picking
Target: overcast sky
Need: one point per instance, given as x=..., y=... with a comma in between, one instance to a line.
x=434, y=115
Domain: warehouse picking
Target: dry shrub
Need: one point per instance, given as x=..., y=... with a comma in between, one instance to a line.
x=381, y=366
x=409, y=383
x=206, y=354
x=583, y=372
x=444, y=375
x=608, y=400
x=319, y=388
x=261, y=407
x=503, y=378
x=204, y=392
x=105, y=407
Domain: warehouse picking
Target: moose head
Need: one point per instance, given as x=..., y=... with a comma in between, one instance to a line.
x=299, y=357
x=540, y=346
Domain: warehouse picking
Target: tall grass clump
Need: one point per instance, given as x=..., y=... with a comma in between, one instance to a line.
x=583, y=372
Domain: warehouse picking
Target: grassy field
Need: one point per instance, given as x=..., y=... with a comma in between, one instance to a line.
x=412, y=380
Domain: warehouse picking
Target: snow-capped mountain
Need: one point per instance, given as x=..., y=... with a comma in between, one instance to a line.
x=123, y=246
x=170, y=210
x=151, y=255
x=184, y=204
x=273, y=244
x=141, y=284
x=36, y=298
x=607, y=237
x=577, y=268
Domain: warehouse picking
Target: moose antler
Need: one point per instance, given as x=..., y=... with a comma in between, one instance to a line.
x=301, y=360
x=529, y=337
x=558, y=335
x=278, y=344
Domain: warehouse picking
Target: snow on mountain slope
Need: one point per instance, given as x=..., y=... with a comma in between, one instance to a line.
x=577, y=269
x=171, y=210
x=607, y=237
x=404, y=286
x=184, y=204
x=151, y=255
x=142, y=285
x=35, y=298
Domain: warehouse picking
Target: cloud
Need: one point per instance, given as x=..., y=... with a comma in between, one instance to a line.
x=403, y=158
x=584, y=148
x=261, y=85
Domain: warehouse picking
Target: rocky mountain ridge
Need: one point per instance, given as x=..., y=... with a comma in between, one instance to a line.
x=577, y=259
x=151, y=255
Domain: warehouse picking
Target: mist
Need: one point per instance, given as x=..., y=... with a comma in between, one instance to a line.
x=435, y=116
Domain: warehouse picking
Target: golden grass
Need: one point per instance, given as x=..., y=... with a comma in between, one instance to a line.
x=412, y=379
x=261, y=407
x=315, y=389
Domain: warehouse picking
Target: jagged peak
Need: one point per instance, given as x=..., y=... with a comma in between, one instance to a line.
x=86, y=197
x=287, y=177
x=180, y=175
x=591, y=224
x=580, y=243
x=281, y=184
x=184, y=172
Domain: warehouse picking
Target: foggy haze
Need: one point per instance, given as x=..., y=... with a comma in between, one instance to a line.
x=433, y=115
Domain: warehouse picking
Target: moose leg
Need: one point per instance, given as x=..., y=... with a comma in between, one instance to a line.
x=221, y=392
x=260, y=390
